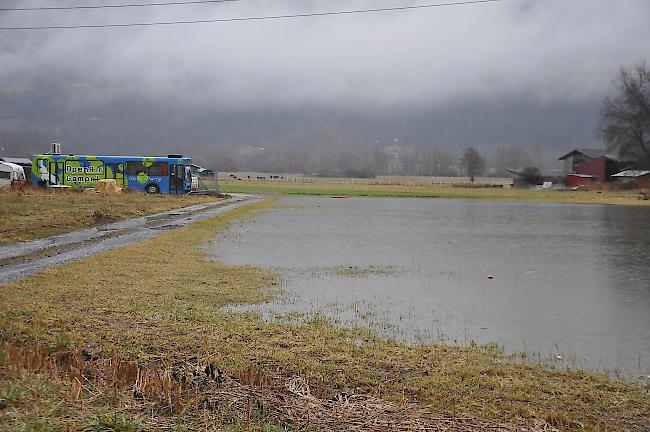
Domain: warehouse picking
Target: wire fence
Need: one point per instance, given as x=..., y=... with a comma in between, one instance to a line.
x=205, y=184
x=379, y=180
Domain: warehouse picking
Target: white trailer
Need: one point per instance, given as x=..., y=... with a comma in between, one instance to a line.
x=10, y=173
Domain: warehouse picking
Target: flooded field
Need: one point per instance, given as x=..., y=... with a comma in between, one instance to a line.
x=563, y=283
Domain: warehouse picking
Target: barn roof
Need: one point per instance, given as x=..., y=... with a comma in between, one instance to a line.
x=590, y=153
x=581, y=175
x=543, y=173
x=631, y=173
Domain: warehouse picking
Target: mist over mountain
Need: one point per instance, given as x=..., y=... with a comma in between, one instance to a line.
x=132, y=125
x=514, y=73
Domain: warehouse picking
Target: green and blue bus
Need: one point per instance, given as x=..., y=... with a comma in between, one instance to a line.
x=168, y=175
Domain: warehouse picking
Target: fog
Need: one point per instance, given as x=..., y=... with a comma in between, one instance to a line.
x=408, y=73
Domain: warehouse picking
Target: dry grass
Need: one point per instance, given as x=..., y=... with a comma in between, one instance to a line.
x=432, y=191
x=33, y=214
x=192, y=390
x=153, y=309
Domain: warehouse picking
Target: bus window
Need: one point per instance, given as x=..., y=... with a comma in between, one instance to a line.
x=42, y=168
x=134, y=168
x=159, y=169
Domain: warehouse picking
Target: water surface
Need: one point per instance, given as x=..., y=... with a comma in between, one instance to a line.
x=563, y=282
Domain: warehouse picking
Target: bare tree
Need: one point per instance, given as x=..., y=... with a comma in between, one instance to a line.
x=472, y=163
x=510, y=157
x=625, y=119
x=434, y=161
x=532, y=175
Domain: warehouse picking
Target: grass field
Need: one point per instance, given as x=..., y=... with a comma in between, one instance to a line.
x=134, y=339
x=35, y=214
x=414, y=191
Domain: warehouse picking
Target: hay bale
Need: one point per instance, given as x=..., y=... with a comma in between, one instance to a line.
x=108, y=186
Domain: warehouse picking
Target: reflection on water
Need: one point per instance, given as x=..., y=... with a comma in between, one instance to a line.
x=554, y=280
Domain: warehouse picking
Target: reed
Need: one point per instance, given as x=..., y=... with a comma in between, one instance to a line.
x=250, y=396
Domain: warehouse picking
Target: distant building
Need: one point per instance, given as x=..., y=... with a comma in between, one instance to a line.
x=589, y=167
x=578, y=156
x=521, y=180
x=638, y=178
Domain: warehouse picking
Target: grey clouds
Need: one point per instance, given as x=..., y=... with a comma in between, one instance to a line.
x=541, y=53
x=550, y=49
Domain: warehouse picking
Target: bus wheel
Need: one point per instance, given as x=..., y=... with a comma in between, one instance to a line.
x=152, y=189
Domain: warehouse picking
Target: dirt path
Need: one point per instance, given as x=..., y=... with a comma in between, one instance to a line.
x=19, y=260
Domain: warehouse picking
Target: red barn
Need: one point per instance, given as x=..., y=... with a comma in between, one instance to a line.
x=589, y=167
x=573, y=180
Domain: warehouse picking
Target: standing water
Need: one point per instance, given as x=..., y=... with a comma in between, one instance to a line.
x=557, y=281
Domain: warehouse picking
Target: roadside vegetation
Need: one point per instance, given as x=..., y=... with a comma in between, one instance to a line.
x=136, y=339
x=34, y=214
x=449, y=192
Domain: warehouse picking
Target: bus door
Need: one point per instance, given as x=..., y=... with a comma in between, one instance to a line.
x=60, y=172
x=53, y=180
x=187, y=184
x=117, y=173
x=176, y=179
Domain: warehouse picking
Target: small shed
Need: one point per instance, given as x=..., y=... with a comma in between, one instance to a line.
x=522, y=179
x=639, y=178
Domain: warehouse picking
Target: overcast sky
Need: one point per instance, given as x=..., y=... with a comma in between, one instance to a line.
x=548, y=50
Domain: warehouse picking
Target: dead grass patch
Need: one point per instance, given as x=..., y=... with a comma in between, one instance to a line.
x=28, y=214
x=433, y=191
x=187, y=390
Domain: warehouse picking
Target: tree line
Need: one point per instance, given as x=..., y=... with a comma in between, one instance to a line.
x=624, y=129
x=373, y=161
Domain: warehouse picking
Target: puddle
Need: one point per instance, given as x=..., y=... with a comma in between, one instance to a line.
x=564, y=283
x=167, y=227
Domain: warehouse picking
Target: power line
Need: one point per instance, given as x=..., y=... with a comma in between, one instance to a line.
x=113, y=6
x=255, y=18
